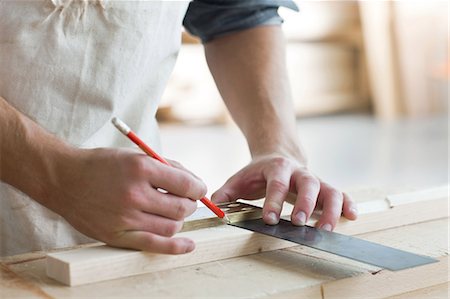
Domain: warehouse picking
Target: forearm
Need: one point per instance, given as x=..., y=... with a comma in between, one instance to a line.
x=104, y=193
x=250, y=71
x=28, y=154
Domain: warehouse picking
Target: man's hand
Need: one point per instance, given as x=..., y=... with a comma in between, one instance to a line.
x=249, y=68
x=113, y=195
x=275, y=177
x=126, y=199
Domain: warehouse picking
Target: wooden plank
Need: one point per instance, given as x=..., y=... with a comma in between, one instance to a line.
x=386, y=283
x=314, y=292
x=429, y=41
x=12, y=285
x=381, y=55
x=377, y=288
x=397, y=210
x=440, y=291
x=317, y=92
x=432, y=237
x=277, y=274
x=253, y=276
x=421, y=195
x=396, y=216
x=87, y=265
x=429, y=238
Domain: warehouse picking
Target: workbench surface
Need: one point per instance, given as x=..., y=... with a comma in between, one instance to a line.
x=295, y=272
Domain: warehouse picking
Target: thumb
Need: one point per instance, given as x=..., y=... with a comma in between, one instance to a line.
x=226, y=193
x=222, y=195
x=240, y=186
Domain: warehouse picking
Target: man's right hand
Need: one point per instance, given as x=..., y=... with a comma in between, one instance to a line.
x=113, y=195
x=126, y=199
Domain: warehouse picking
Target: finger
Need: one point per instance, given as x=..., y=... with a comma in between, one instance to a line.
x=291, y=197
x=153, y=243
x=226, y=193
x=156, y=224
x=276, y=191
x=349, y=209
x=332, y=201
x=177, y=182
x=167, y=205
x=241, y=185
x=308, y=188
x=178, y=165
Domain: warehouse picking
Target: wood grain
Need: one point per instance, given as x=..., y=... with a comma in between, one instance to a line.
x=295, y=272
x=386, y=283
x=382, y=60
x=87, y=265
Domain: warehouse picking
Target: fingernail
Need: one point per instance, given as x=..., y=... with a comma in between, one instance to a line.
x=354, y=211
x=271, y=218
x=190, y=246
x=299, y=218
x=326, y=227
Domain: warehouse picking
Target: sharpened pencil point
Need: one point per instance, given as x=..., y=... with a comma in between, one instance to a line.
x=227, y=219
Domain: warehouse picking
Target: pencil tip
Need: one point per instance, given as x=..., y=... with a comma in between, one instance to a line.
x=227, y=219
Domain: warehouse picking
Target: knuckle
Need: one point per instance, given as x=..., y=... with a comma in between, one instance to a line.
x=280, y=162
x=307, y=204
x=191, y=207
x=273, y=206
x=150, y=243
x=177, y=246
x=173, y=247
x=139, y=164
x=124, y=222
x=184, y=208
x=193, y=189
x=279, y=186
x=186, y=184
x=131, y=195
x=309, y=201
x=335, y=194
x=180, y=210
x=172, y=228
x=202, y=190
x=347, y=198
x=310, y=180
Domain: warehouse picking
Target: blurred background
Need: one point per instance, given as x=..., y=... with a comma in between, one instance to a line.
x=370, y=86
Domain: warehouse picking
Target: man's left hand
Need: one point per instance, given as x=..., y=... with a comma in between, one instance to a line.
x=275, y=177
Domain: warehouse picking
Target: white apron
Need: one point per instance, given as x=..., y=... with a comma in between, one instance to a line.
x=70, y=65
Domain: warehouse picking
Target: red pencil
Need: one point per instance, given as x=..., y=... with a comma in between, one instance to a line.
x=122, y=127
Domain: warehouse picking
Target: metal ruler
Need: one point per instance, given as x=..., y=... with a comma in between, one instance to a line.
x=335, y=243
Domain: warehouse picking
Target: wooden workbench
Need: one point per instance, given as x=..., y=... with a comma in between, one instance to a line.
x=295, y=272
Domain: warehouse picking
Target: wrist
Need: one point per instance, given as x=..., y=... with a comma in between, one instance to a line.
x=289, y=149
x=57, y=167
x=29, y=155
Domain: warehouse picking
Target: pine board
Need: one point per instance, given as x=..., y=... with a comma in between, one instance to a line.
x=286, y=273
x=296, y=272
x=86, y=265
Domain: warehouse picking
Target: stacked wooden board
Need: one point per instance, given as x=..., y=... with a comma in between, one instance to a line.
x=416, y=222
